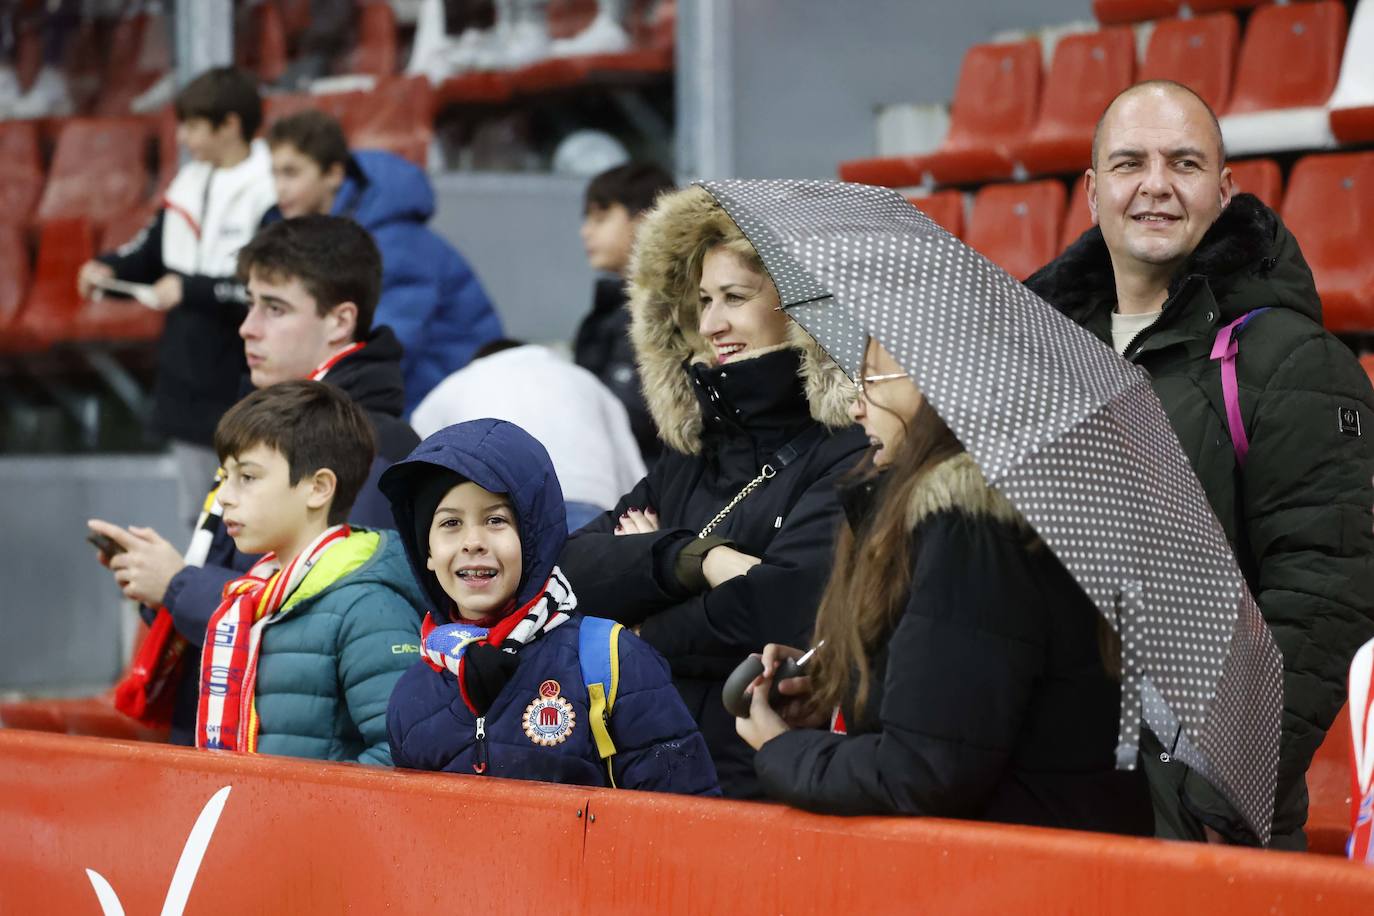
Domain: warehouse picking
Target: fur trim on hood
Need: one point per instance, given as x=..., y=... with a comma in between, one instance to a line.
x=663, y=322
x=957, y=483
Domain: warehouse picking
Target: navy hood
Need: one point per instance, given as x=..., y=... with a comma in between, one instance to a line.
x=392, y=190
x=497, y=456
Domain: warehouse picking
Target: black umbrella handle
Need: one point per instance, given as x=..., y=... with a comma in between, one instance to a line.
x=736, y=694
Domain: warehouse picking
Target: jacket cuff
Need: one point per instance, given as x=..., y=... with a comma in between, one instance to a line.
x=687, y=565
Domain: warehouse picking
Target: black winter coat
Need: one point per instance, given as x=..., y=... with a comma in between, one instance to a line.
x=989, y=699
x=602, y=347
x=1297, y=514
x=751, y=409
x=199, y=355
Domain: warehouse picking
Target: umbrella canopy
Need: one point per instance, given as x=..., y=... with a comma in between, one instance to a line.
x=1072, y=434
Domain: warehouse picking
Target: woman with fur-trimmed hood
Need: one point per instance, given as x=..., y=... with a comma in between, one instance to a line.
x=726, y=545
x=959, y=668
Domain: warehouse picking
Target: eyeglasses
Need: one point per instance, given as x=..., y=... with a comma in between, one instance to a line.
x=865, y=381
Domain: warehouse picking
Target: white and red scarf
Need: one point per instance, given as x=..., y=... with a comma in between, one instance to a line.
x=550, y=608
x=227, y=717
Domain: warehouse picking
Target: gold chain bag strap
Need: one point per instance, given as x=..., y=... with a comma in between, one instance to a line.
x=789, y=453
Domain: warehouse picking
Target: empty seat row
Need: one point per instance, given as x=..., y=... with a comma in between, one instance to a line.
x=1003, y=125
x=1328, y=206
x=99, y=169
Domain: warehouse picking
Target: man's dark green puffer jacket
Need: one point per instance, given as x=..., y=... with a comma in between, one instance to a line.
x=326, y=670
x=1298, y=513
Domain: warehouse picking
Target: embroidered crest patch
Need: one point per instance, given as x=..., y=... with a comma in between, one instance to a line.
x=1349, y=420
x=550, y=719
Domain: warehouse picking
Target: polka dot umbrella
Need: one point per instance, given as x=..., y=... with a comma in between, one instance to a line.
x=1073, y=435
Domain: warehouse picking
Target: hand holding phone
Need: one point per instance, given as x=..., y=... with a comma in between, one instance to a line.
x=109, y=548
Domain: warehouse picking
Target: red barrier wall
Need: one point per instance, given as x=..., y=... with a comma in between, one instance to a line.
x=303, y=837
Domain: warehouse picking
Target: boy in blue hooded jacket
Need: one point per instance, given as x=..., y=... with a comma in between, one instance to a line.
x=502, y=688
x=431, y=297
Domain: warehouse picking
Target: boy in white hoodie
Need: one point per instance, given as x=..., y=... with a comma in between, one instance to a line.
x=188, y=252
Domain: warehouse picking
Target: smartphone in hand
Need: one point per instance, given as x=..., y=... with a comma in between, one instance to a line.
x=108, y=546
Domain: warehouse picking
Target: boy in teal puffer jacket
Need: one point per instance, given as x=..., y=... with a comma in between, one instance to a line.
x=302, y=655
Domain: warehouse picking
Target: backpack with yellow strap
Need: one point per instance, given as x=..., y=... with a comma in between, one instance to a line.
x=598, y=650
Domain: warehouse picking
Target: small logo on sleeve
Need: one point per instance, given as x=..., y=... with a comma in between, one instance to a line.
x=1349, y=419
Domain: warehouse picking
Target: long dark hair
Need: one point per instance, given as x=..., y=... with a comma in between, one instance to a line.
x=871, y=577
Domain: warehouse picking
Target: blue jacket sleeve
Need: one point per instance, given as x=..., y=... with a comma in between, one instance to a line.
x=378, y=641
x=658, y=746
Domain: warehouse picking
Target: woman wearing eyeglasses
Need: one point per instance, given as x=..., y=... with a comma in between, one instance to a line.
x=960, y=668
x=726, y=545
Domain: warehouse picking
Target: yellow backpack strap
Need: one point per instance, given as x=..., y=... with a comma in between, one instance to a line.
x=599, y=653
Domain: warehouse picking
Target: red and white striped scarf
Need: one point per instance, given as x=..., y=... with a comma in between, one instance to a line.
x=227, y=717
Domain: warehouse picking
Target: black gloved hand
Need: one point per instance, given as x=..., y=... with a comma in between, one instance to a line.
x=486, y=671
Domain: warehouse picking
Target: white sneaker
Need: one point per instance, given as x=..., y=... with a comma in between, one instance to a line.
x=603, y=36
x=527, y=43
x=10, y=93
x=427, y=54
x=47, y=97
x=156, y=95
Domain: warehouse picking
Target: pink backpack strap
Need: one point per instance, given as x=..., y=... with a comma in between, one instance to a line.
x=1225, y=348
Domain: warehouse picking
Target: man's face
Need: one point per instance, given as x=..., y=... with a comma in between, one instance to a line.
x=302, y=187
x=207, y=143
x=284, y=336
x=1158, y=183
x=608, y=236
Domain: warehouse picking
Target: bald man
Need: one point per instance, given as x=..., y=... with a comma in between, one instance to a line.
x=1176, y=256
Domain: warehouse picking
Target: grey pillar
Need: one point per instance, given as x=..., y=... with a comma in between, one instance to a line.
x=204, y=37
x=705, y=90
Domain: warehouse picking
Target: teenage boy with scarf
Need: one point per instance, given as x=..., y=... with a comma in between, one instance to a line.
x=502, y=687
x=313, y=286
x=304, y=650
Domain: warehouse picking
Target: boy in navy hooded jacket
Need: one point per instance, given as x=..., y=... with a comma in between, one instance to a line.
x=500, y=688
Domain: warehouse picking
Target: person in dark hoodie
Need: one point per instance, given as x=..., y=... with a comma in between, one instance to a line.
x=613, y=206
x=313, y=284
x=726, y=544
x=514, y=681
x=1176, y=268
x=431, y=298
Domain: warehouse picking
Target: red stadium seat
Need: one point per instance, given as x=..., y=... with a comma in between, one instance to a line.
x=1329, y=781
x=98, y=170
x=14, y=272
x=1217, y=6
x=1088, y=71
x=48, y=312
x=994, y=108
x=1330, y=208
x=139, y=55
x=1352, y=104
x=1116, y=11
x=1200, y=53
x=398, y=115
x=21, y=178
x=568, y=17
x=124, y=227
x=1260, y=177
x=1078, y=219
x=262, y=43
x=1307, y=38
x=375, y=52
x=945, y=207
x=1017, y=226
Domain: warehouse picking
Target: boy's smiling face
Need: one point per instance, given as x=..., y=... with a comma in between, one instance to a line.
x=263, y=511
x=474, y=550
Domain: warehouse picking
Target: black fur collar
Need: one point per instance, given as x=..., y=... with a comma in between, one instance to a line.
x=1080, y=281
